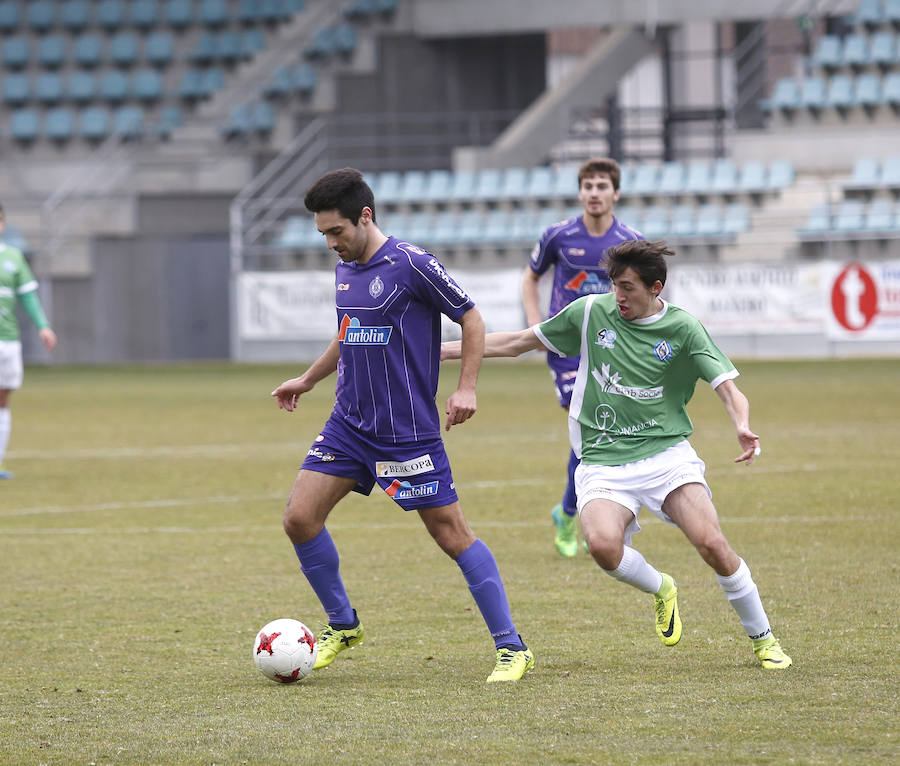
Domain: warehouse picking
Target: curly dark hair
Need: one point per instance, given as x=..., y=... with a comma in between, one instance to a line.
x=343, y=190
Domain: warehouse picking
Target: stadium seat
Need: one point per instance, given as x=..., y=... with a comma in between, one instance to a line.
x=880, y=215
x=360, y=9
x=849, y=218
x=813, y=94
x=671, y=178
x=213, y=13
x=113, y=86
x=147, y=85
x=540, y=183
x=9, y=17
x=752, y=179
x=41, y=15
x=262, y=117
x=211, y=80
x=412, y=186
x=16, y=89
x=656, y=222
x=82, y=86
x=388, y=185
x=709, y=221
x=841, y=92
x=385, y=7
x=322, y=44
x=856, y=51
x=128, y=122
x=94, y=123
x=281, y=83
x=781, y=175
x=868, y=90
x=890, y=173
x=144, y=13
x=644, y=180
x=15, y=52
x=51, y=51
x=892, y=11
x=786, y=95
x=630, y=215
x=252, y=42
x=170, y=118
x=883, y=49
x=437, y=186
x=24, y=125
x=890, y=89
x=818, y=222
x=698, y=177
x=866, y=174
x=513, y=184
x=304, y=78
x=123, y=49
x=204, y=50
x=446, y=229
x=471, y=227
x=59, y=124
x=487, y=184
x=344, y=40
x=565, y=182
x=724, y=178
x=48, y=88
x=160, y=49
x=828, y=52
x=736, y=218
x=179, y=14
x=299, y=231
x=462, y=187
x=88, y=50
x=239, y=122
x=75, y=15
x=228, y=46
x=110, y=14
x=869, y=13
x=683, y=221
x=495, y=227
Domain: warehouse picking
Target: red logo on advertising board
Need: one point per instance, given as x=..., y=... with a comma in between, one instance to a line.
x=854, y=298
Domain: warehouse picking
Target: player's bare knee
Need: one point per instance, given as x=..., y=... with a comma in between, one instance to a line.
x=606, y=551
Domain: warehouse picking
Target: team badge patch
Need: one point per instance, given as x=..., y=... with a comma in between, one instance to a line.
x=376, y=287
x=606, y=338
x=663, y=351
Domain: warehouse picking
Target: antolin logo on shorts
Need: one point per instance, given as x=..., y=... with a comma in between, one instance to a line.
x=421, y=464
x=403, y=490
x=354, y=334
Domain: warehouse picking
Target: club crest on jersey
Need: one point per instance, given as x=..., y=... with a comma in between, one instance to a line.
x=9, y=267
x=354, y=334
x=606, y=338
x=376, y=287
x=584, y=283
x=403, y=490
x=663, y=351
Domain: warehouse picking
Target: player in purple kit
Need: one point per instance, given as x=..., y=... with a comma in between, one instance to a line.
x=385, y=427
x=576, y=249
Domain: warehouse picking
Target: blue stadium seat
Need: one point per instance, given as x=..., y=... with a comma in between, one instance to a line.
x=389, y=183
x=698, y=177
x=869, y=13
x=204, y=49
x=76, y=15
x=160, y=48
x=724, y=179
x=880, y=215
x=813, y=94
x=496, y=227
x=487, y=184
x=228, y=46
x=238, y=124
x=671, y=178
x=123, y=49
x=412, y=186
x=462, y=187
x=179, y=13
x=82, y=86
x=471, y=227
x=144, y=13
x=16, y=89
x=94, y=123
x=213, y=13
x=828, y=52
x=683, y=221
x=446, y=229
x=59, y=124
x=191, y=86
x=41, y=15
x=752, y=178
x=883, y=49
x=866, y=174
x=849, y=216
x=892, y=11
x=656, y=222
x=113, y=86
x=514, y=183
x=890, y=89
x=786, y=95
x=300, y=231
x=385, y=7
x=23, y=125
x=213, y=79
x=15, y=52
x=170, y=119
x=709, y=221
x=48, y=88
x=248, y=12
x=304, y=79
x=781, y=175
x=565, y=182
x=281, y=83
x=9, y=17
x=868, y=90
x=841, y=92
x=856, y=51
x=147, y=85
x=128, y=122
x=630, y=215
x=322, y=44
x=252, y=42
x=344, y=40
x=736, y=219
x=360, y=9
x=540, y=183
x=644, y=180
x=890, y=173
x=51, y=51
x=88, y=50
x=262, y=117
x=818, y=222
x=110, y=14
x=437, y=186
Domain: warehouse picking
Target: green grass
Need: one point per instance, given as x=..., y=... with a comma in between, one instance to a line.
x=141, y=549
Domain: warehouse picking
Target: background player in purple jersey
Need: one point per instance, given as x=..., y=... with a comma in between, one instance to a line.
x=576, y=250
x=385, y=427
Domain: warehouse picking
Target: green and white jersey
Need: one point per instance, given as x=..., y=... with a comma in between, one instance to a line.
x=15, y=279
x=635, y=377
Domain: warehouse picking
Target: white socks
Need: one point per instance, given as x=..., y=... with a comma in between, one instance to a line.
x=5, y=428
x=743, y=596
x=634, y=569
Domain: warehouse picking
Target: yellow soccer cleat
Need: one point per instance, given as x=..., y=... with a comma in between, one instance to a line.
x=770, y=654
x=566, y=541
x=668, y=623
x=511, y=665
x=332, y=641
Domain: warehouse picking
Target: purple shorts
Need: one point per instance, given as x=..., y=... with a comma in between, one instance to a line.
x=563, y=371
x=414, y=474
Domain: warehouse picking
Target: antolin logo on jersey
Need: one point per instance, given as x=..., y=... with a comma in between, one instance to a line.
x=587, y=284
x=403, y=490
x=609, y=383
x=354, y=334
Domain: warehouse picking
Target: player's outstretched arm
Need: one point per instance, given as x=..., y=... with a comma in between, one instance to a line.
x=287, y=394
x=498, y=344
x=531, y=296
x=462, y=403
x=738, y=408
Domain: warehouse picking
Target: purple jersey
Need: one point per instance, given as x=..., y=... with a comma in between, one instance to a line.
x=579, y=261
x=389, y=329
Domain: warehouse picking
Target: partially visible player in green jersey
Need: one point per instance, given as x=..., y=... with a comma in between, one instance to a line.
x=640, y=360
x=16, y=283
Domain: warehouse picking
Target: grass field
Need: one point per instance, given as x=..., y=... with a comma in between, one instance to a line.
x=141, y=549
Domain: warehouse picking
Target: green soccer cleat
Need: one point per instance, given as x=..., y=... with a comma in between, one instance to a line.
x=770, y=654
x=332, y=641
x=668, y=623
x=566, y=541
x=511, y=665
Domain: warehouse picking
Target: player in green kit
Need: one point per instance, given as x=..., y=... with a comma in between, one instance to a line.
x=16, y=283
x=640, y=360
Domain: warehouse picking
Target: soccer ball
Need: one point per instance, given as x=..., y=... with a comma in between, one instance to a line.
x=285, y=650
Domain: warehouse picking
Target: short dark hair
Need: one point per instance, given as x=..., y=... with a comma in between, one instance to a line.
x=597, y=165
x=645, y=257
x=343, y=190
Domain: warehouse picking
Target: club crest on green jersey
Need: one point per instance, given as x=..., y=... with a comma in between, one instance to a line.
x=663, y=350
x=606, y=338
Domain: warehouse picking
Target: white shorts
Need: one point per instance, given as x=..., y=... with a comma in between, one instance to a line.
x=644, y=482
x=11, y=372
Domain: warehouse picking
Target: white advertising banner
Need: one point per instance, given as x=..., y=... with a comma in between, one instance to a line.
x=750, y=298
x=862, y=300
x=286, y=305
x=498, y=296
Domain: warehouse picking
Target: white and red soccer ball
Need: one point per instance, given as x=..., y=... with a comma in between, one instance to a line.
x=285, y=650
